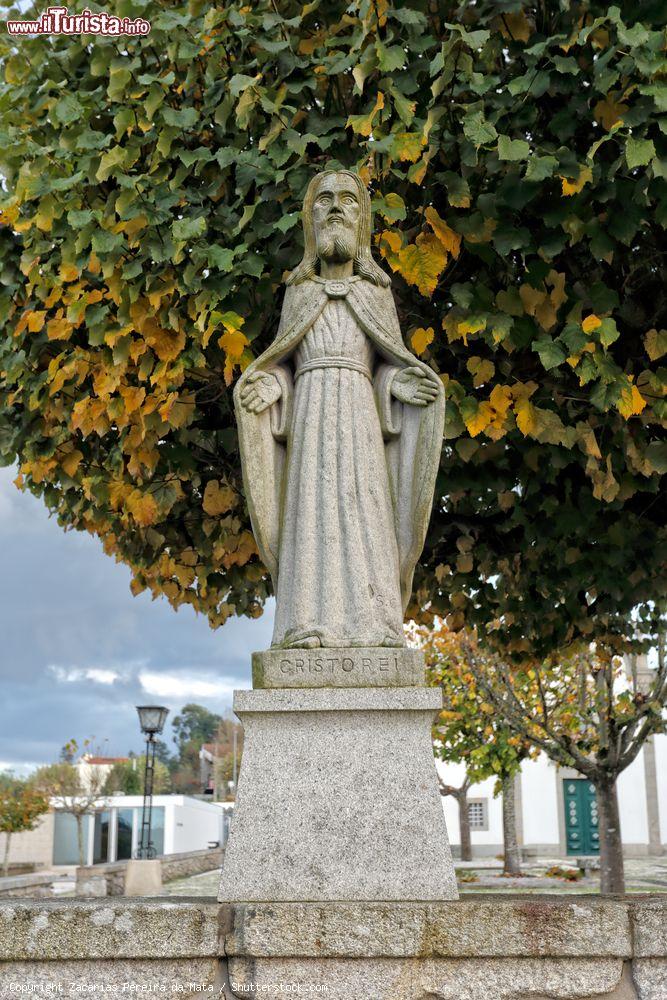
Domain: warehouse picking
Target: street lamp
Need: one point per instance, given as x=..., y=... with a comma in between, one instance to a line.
x=151, y=719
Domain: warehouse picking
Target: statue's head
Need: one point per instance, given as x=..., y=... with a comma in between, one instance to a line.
x=337, y=226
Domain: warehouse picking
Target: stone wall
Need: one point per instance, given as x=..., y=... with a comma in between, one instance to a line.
x=489, y=948
x=31, y=885
x=109, y=879
x=33, y=846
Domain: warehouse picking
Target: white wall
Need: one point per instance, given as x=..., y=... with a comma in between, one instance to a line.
x=632, y=803
x=35, y=846
x=195, y=824
x=661, y=779
x=453, y=774
x=540, y=802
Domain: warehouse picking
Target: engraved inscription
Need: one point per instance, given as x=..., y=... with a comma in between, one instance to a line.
x=303, y=665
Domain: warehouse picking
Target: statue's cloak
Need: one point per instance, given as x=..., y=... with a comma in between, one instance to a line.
x=413, y=434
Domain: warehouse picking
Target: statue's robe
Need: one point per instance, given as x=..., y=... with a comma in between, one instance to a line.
x=339, y=475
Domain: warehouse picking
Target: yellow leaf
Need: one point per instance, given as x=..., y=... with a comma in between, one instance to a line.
x=531, y=298
x=655, y=342
x=233, y=343
x=501, y=399
x=482, y=370
x=68, y=272
x=609, y=112
x=389, y=242
x=525, y=416
x=59, y=329
x=421, y=338
x=363, y=124
x=143, y=508
x=71, y=462
x=218, y=499
x=450, y=240
x=133, y=397
x=419, y=172
x=467, y=326
x=515, y=26
x=591, y=323
x=166, y=344
x=36, y=321
x=407, y=146
x=421, y=263
x=631, y=402
x=574, y=187
x=481, y=419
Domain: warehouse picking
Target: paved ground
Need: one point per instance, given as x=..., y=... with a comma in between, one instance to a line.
x=642, y=875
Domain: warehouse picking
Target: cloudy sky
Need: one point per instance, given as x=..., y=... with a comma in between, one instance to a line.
x=78, y=652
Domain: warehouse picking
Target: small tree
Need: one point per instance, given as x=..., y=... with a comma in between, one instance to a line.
x=21, y=806
x=64, y=785
x=589, y=715
x=470, y=730
x=128, y=777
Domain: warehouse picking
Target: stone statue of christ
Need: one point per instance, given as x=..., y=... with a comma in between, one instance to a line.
x=340, y=430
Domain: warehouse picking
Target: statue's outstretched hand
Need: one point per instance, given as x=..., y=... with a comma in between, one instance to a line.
x=263, y=390
x=413, y=386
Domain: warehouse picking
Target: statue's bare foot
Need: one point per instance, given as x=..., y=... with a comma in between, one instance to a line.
x=390, y=640
x=308, y=642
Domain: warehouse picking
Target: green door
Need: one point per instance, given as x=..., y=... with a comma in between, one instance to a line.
x=581, y=817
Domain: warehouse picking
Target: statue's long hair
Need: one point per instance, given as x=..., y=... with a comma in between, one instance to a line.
x=364, y=265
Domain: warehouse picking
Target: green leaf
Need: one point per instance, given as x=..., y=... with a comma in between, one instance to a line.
x=182, y=117
x=478, y=129
x=512, y=149
x=550, y=351
x=187, y=229
x=221, y=257
x=608, y=332
x=539, y=168
x=638, y=152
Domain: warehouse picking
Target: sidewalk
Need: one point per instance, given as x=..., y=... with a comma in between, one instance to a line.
x=642, y=875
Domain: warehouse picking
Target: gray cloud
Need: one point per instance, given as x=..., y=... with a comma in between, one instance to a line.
x=76, y=646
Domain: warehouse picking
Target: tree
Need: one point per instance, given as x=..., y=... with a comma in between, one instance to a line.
x=460, y=793
x=68, y=791
x=228, y=754
x=128, y=777
x=20, y=809
x=589, y=715
x=195, y=724
x=469, y=729
x=517, y=164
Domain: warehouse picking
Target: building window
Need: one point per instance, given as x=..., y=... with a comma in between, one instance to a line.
x=66, y=841
x=101, y=838
x=478, y=814
x=124, y=835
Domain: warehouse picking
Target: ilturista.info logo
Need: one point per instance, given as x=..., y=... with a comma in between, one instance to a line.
x=59, y=21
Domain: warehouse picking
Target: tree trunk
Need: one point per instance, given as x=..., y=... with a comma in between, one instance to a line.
x=5, y=863
x=79, y=837
x=612, y=875
x=464, y=824
x=512, y=864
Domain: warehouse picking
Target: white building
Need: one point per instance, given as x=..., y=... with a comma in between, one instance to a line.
x=557, y=812
x=111, y=833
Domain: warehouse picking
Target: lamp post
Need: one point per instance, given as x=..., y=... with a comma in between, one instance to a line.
x=151, y=719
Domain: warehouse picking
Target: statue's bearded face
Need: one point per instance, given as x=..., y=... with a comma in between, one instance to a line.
x=335, y=213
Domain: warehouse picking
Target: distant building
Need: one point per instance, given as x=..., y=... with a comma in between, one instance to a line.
x=111, y=832
x=207, y=758
x=557, y=814
x=92, y=764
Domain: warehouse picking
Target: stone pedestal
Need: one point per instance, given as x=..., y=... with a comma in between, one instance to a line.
x=143, y=877
x=337, y=796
